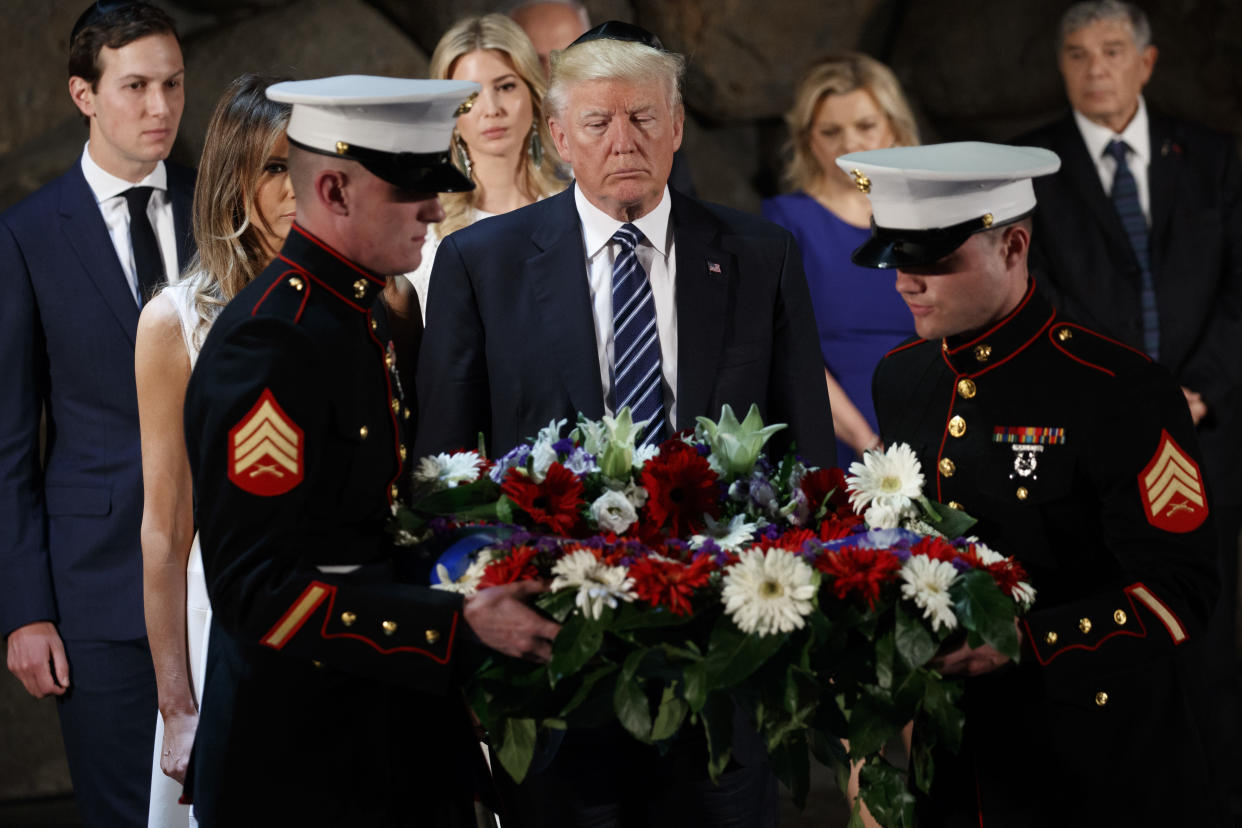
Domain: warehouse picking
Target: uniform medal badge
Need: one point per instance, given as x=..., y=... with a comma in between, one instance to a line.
x=1172, y=489
x=1028, y=443
x=266, y=450
x=1026, y=461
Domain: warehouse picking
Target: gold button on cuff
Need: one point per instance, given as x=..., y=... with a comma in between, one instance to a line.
x=348, y=618
x=1050, y=638
x=947, y=467
x=1101, y=699
x=390, y=627
x=1084, y=625
x=1119, y=616
x=967, y=388
x=953, y=504
x=363, y=432
x=1065, y=334
x=396, y=406
x=432, y=636
x=360, y=288
x=295, y=282
x=1022, y=493
x=957, y=426
x=983, y=352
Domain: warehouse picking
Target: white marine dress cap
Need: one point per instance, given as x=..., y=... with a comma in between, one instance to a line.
x=927, y=200
x=398, y=128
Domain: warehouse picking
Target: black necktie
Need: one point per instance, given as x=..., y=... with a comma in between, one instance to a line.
x=147, y=259
x=1126, y=202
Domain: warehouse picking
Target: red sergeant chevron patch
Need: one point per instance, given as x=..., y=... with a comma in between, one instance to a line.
x=1172, y=489
x=266, y=450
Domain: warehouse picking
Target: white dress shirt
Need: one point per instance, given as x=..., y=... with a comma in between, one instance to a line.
x=108, y=191
x=657, y=255
x=1136, y=136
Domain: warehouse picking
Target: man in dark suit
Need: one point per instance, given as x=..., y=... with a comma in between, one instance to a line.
x=77, y=260
x=1140, y=236
x=621, y=292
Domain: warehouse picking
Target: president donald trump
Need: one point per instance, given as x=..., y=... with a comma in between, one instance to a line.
x=621, y=292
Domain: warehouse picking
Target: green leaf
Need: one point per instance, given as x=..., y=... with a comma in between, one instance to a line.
x=630, y=701
x=579, y=639
x=950, y=522
x=504, y=509
x=883, y=788
x=943, y=713
x=732, y=656
x=671, y=714
x=557, y=604
x=586, y=686
x=792, y=766
x=634, y=616
x=884, y=648
x=517, y=747
x=717, y=719
x=873, y=722
x=983, y=608
x=915, y=645
x=483, y=491
x=695, y=688
x=922, y=763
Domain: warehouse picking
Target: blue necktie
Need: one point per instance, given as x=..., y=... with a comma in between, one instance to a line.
x=1126, y=203
x=636, y=378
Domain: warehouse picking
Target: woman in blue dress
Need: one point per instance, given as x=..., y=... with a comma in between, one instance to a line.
x=844, y=103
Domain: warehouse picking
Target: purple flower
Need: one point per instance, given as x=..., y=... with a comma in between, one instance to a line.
x=563, y=446
x=517, y=456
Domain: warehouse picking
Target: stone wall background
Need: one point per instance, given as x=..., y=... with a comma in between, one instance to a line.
x=971, y=70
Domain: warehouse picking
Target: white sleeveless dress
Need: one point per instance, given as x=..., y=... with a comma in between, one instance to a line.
x=165, y=811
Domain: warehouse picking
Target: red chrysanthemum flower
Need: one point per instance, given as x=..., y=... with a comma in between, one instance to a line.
x=859, y=571
x=938, y=549
x=1007, y=574
x=820, y=483
x=665, y=583
x=518, y=565
x=837, y=526
x=681, y=488
x=554, y=503
x=791, y=540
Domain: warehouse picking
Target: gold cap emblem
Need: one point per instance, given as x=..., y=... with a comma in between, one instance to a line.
x=466, y=105
x=861, y=181
x=987, y=219
x=342, y=147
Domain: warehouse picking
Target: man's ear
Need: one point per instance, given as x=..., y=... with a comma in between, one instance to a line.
x=332, y=190
x=1148, y=60
x=82, y=95
x=1015, y=244
x=679, y=124
x=559, y=138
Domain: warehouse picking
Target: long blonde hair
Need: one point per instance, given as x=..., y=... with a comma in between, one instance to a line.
x=231, y=252
x=840, y=74
x=498, y=33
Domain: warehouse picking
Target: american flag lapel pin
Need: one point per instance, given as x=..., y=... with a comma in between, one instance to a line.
x=713, y=267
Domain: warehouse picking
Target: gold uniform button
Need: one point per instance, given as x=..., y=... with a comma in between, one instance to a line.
x=432, y=636
x=396, y=406
x=363, y=432
x=1101, y=699
x=360, y=288
x=1065, y=335
x=1084, y=625
x=1050, y=638
x=390, y=627
x=318, y=665
x=393, y=491
x=374, y=324
x=947, y=467
x=405, y=414
x=348, y=618
x=1120, y=617
x=1022, y=493
x=390, y=360
x=953, y=504
x=967, y=388
x=983, y=352
x=957, y=426
x=295, y=282
x=402, y=451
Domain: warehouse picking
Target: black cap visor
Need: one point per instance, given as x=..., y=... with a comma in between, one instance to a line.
x=420, y=172
x=892, y=247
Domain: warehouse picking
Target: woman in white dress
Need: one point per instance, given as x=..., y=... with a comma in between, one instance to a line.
x=501, y=141
x=243, y=208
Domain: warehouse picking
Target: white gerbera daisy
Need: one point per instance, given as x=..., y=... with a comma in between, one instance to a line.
x=986, y=555
x=893, y=478
x=449, y=470
x=598, y=584
x=468, y=583
x=730, y=536
x=769, y=593
x=927, y=583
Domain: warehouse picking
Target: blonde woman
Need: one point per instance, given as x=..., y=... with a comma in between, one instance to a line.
x=844, y=103
x=243, y=208
x=501, y=141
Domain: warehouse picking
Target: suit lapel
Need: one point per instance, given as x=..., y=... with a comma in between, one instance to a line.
x=705, y=273
x=558, y=279
x=87, y=234
x=1162, y=177
x=1079, y=170
x=181, y=195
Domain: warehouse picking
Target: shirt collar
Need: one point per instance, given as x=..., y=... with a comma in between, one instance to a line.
x=598, y=227
x=105, y=185
x=1136, y=135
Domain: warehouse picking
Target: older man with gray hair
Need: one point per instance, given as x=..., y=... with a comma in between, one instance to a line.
x=1140, y=237
x=622, y=292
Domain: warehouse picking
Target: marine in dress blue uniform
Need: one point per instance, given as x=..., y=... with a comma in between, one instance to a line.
x=1077, y=455
x=329, y=694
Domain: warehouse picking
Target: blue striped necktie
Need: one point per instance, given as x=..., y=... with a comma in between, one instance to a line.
x=1126, y=203
x=636, y=378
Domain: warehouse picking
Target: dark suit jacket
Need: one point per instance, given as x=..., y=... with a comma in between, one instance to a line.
x=1083, y=261
x=69, y=534
x=510, y=339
